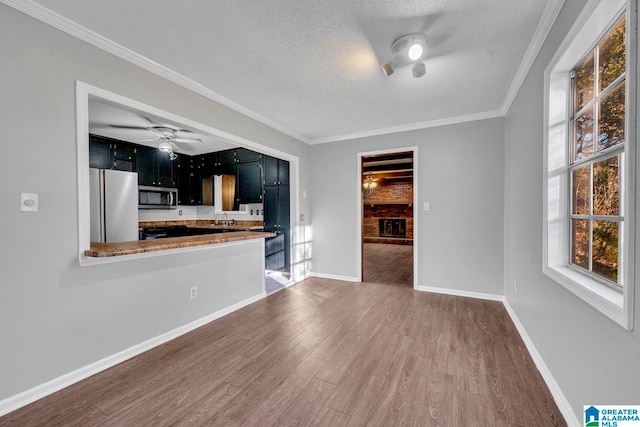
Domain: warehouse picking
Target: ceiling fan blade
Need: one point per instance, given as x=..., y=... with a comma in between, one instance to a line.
x=128, y=127
x=146, y=140
x=187, y=140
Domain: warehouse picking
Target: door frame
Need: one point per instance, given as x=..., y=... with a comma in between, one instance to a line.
x=359, y=209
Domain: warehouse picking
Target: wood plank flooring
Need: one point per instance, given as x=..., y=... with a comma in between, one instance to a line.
x=322, y=353
x=388, y=264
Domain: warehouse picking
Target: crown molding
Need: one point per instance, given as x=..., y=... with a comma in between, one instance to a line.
x=58, y=21
x=49, y=17
x=548, y=18
x=545, y=24
x=412, y=126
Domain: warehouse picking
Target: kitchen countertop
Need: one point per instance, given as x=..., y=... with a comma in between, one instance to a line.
x=141, y=246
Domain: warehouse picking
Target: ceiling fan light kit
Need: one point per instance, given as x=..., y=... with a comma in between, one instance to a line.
x=409, y=49
x=165, y=147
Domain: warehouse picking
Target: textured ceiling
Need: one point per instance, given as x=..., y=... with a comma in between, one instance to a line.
x=312, y=68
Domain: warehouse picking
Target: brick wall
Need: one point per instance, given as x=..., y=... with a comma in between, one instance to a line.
x=401, y=193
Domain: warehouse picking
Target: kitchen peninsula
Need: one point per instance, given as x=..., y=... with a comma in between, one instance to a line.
x=142, y=246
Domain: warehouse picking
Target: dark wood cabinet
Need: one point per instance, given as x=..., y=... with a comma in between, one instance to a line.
x=144, y=165
x=124, y=156
x=276, y=204
x=276, y=171
x=164, y=170
x=109, y=153
x=244, y=155
x=249, y=183
x=189, y=180
x=154, y=167
x=226, y=158
x=100, y=155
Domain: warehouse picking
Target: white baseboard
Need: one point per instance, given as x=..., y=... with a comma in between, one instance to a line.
x=334, y=277
x=554, y=388
x=459, y=293
x=22, y=399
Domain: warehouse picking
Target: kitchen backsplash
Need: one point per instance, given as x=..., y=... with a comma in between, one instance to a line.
x=253, y=212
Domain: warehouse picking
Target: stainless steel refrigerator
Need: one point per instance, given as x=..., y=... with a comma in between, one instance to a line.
x=114, y=205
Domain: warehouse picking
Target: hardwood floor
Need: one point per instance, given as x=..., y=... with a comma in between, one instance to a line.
x=324, y=353
x=389, y=264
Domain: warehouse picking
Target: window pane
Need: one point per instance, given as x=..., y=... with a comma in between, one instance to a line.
x=605, y=249
x=612, y=55
x=584, y=83
x=583, y=135
x=580, y=243
x=606, y=189
x=580, y=180
x=611, y=124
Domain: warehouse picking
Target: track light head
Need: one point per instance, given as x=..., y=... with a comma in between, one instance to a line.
x=418, y=69
x=387, y=69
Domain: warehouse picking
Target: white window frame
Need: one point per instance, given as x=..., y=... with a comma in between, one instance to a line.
x=597, y=16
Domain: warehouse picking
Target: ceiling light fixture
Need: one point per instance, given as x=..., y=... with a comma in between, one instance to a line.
x=165, y=147
x=407, y=50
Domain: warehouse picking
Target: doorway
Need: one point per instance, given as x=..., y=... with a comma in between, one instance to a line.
x=387, y=218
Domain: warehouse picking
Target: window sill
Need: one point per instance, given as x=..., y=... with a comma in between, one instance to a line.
x=604, y=299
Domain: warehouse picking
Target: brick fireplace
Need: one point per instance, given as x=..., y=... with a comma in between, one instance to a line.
x=388, y=214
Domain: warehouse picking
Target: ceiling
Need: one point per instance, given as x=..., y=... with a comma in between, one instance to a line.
x=120, y=122
x=389, y=168
x=312, y=68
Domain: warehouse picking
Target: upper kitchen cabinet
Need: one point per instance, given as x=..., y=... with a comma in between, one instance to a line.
x=189, y=180
x=100, y=156
x=235, y=156
x=276, y=171
x=243, y=155
x=108, y=153
x=154, y=167
x=124, y=156
x=224, y=162
x=249, y=183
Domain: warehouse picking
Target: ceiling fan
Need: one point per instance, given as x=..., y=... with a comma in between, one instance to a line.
x=164, y=134
x=167, y=135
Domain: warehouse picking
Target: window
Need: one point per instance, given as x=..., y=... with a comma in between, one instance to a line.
x=590, y=162
x=597, y=154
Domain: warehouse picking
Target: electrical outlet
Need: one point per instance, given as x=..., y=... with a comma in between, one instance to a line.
x=301, y=217
x=515, y=287
x=193, y=292
x=180, y=212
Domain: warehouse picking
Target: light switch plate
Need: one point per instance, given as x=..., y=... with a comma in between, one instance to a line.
x=29, y=202
x=427, y=206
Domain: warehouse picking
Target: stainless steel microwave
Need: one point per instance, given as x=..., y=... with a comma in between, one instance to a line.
x=157, y=197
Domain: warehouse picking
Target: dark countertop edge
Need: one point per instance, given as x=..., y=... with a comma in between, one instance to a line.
x=104, y=250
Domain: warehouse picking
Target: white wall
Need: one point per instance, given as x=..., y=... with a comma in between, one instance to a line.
x=56, y=316
x=594, y=360
x=461, y=172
